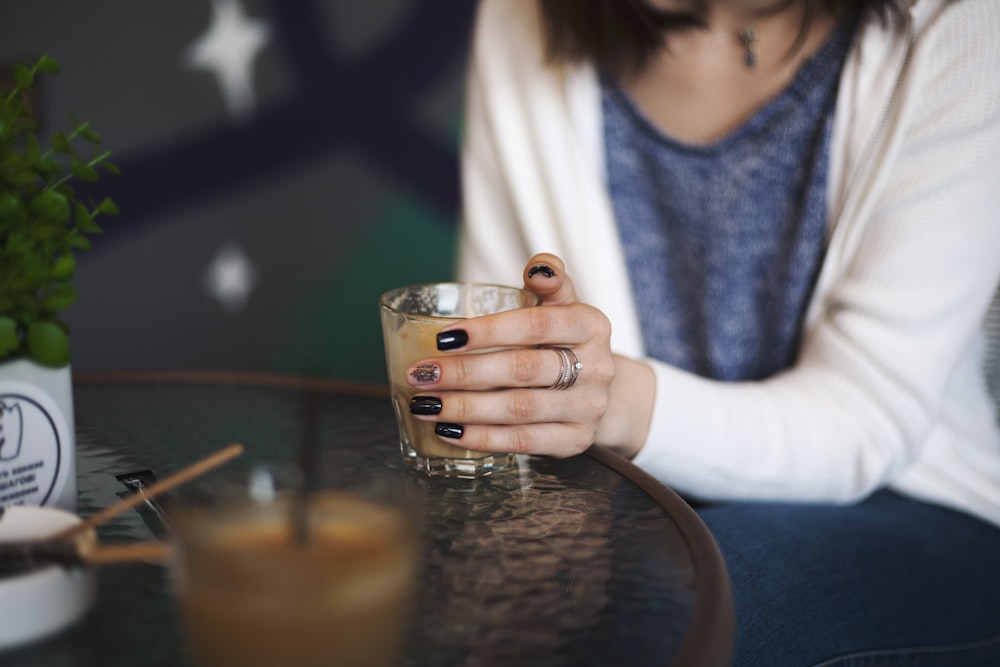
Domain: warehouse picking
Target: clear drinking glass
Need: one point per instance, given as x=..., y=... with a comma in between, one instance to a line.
x=411, y=317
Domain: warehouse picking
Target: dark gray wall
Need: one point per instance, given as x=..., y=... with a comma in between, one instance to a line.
x=338, y=182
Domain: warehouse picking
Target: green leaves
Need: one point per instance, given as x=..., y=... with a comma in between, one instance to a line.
x=9, y=205
x=50, y=206
x=46, y=341
x=9, y=339
x=108, y=207
x=24, y=78
x=47, y=64
x=59, y=297
x=48, y=344
x=84, y=171
x=42, y=221
x=64, y=267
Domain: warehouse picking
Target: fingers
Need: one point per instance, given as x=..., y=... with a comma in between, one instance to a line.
x=526, y=327
x=453, y=391
x=507, y=407
x=545, y=275
x=555, y=439
x=514, y=368
x=498, y=387
x=520, y=422
x=572, y=324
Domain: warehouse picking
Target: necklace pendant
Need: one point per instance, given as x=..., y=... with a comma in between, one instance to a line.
x=749, y=38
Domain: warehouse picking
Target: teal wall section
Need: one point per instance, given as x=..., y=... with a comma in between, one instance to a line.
x=337, y=331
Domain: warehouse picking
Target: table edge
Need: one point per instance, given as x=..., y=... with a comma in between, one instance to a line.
x=232, y=377
x=709, y=640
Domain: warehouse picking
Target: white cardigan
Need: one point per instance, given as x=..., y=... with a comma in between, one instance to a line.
x=888, y=388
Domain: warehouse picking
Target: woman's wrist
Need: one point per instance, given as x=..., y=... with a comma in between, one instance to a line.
x=625, y=425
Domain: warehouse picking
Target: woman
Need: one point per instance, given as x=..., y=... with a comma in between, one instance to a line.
x=783, y=226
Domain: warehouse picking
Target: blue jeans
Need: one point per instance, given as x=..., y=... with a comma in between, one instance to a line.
x=889, y=581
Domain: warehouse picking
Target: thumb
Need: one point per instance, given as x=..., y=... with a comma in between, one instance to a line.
x=546, y=276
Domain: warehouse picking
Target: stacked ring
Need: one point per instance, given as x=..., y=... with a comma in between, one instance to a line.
x=570, y=370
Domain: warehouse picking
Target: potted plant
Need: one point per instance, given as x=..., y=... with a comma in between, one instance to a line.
x=42, y=225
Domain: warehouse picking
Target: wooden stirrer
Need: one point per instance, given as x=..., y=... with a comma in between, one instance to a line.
x=165, y=484
x=26, y=555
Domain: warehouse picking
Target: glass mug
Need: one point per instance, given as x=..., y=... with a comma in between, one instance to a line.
x=411, y=318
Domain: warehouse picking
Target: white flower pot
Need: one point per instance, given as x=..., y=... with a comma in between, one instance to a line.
x=37, y=441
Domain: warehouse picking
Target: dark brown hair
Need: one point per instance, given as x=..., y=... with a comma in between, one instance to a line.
x=621, y=35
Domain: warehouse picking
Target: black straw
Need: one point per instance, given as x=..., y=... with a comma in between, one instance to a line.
x=308, y=468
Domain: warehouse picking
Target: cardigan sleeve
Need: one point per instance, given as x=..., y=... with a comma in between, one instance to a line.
x=532, y=168
x=496, y=160
x=878, y=368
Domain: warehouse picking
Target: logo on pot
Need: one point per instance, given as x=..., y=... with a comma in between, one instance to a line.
x=30, y=451
x=11, y=424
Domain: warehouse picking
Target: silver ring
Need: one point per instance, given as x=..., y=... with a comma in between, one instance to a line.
x=570, y=370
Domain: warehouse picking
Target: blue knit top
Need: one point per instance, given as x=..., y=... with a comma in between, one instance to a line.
x=724, y=241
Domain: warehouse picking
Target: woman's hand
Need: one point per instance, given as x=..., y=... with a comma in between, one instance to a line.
x=504, y=401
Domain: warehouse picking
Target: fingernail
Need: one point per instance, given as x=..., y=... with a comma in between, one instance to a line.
x=543, y=269
x=425, y=373
x=450, y=340
x=453, y=431
x=425, y=405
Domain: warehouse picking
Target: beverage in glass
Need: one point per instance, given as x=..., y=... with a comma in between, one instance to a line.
x=253, y=591
x=411, y=318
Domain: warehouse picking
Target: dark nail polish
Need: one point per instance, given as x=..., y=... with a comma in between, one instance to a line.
x=450, y=340
x=454, y=431
x=543, y=269
x=425, y=405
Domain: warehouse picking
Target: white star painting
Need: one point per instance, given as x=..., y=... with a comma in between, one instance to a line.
x=228, y=49
x=230, y=277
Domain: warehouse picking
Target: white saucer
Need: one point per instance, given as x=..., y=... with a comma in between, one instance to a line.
x=41, y=602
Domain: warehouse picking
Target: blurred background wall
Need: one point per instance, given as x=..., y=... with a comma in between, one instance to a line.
x=283, y=163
